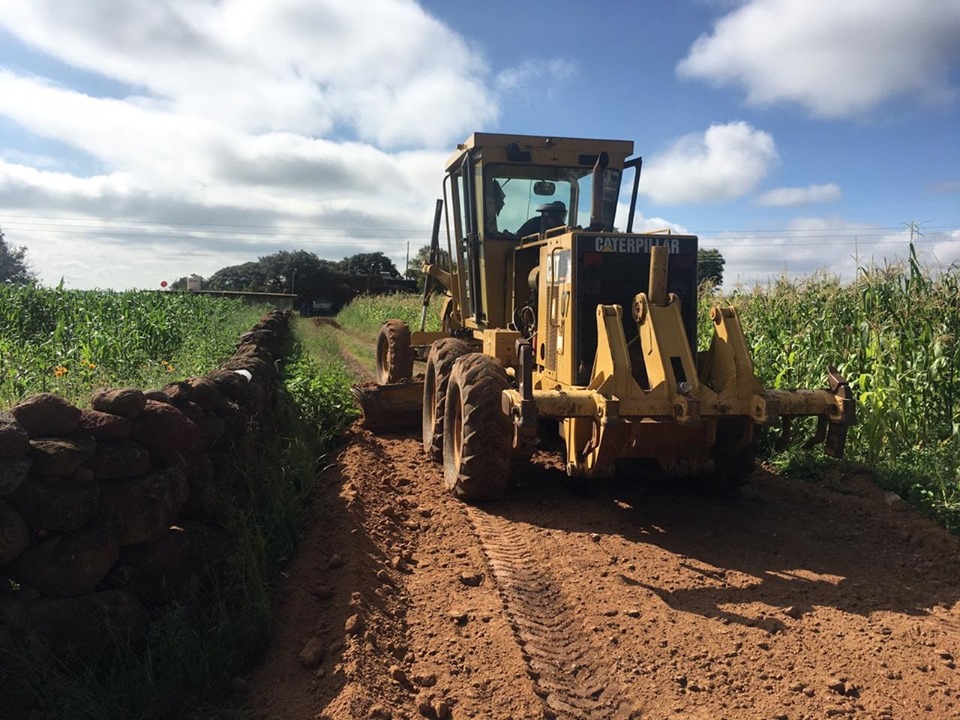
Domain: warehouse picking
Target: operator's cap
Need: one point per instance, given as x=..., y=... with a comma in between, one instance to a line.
x=553, y=208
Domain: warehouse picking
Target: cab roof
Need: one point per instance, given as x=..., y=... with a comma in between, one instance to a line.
x=542, y=149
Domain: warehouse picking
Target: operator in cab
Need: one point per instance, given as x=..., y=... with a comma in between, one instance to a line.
x=551, y=215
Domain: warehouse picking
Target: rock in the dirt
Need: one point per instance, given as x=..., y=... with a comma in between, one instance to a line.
x=312, y=654
x=379, y=712
x=844, y=688
x=793, y=612
x=14, y=538
x=425, y=706
x=353, y=625
x=336, y=561
x=458, y=616
x=125, y=402
x=398, y=674
x=471, y=579
x=441, y=709
x=46, y=415
x=14, y=440
x=425, y=680
x=322, y=592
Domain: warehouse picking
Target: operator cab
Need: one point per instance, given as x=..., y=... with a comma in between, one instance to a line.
x=497, y=189
x=516, y=196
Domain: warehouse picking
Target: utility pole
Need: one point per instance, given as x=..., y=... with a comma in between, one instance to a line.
x=916, y=230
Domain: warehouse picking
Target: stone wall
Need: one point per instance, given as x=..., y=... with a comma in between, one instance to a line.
x=111, y=510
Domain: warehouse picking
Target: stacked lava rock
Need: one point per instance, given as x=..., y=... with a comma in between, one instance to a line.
x=108, y=509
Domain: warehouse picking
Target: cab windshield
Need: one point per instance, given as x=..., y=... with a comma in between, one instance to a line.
x=513, y=194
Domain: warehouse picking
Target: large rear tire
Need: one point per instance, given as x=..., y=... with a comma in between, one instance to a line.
x=477, y=435
x=394, y=354
x=443, y=354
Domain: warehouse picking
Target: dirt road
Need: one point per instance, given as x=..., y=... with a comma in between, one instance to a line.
x=619, y=600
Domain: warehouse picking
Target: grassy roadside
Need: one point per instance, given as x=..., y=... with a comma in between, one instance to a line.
x=196, y=647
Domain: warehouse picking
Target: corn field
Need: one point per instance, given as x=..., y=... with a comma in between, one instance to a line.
x=894, y=333
x=70, y=342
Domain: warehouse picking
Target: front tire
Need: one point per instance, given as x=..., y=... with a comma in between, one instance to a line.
x=394, y=354
x=443, y=355
x=477, y=435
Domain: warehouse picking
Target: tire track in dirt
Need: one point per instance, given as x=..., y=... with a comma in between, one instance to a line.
x=562, y=664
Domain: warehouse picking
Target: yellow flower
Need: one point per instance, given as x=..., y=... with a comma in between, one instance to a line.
x=59, y=371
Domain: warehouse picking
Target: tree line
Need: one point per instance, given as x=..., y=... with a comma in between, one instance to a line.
x=303, y=273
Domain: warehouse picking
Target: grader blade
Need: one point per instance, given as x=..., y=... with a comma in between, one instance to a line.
x=395, y=407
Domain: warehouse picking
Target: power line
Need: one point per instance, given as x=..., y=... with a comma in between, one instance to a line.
x=64, y=221
x=324, y=235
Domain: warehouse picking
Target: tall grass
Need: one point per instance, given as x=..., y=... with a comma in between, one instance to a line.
x=366, y=313
x=69, y=341
x=320, y=382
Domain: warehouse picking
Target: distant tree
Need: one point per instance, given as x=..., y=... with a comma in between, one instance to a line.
x=415, y=271
x=248, y=277
x=13, y=264
x=299, y=272
x=179, y=284
x=368, y=264
x=710, y=266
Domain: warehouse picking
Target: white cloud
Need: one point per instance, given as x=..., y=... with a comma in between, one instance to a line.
x=947, y=186
x=207, y=133
x=944, y=249
x=535, y=73
x=727, y=161
x=835, y=59
x=807, y=245
x=788, y=196
x=283, y=65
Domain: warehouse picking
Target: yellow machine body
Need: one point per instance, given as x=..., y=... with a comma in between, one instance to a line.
x=596, y=327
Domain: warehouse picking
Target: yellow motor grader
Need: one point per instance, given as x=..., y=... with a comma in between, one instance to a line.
x=553, y=317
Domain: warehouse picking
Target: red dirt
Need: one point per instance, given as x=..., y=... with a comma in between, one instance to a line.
x=614, y=599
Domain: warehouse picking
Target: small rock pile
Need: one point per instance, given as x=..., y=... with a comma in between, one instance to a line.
x=110, y=510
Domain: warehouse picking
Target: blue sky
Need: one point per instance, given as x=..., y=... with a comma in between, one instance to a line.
x=143, y=140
